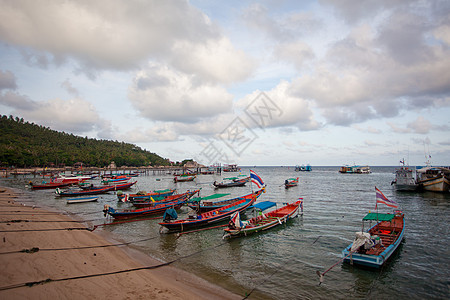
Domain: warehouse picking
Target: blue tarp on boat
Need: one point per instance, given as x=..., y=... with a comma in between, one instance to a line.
x=264, y=205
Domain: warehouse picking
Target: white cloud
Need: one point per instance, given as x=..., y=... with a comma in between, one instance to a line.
x=216, y=60
x=288, y=110
x=121, y=35
x=164, y=94
x=420, y=125
x=398, y=129
x=74, y=115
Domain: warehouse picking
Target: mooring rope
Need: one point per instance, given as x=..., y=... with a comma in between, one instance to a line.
x=50, y=229
x=36, y=249
x=33, y=283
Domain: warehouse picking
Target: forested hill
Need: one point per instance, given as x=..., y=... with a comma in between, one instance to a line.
x=24, y=144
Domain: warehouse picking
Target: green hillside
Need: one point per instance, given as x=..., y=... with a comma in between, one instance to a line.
x=24, y=144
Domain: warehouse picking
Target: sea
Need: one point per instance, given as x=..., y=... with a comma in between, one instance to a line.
x=282, y=263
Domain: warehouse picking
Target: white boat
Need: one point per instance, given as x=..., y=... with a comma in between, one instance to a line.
x=82, y=199
x=404, y=179
x=434, y=179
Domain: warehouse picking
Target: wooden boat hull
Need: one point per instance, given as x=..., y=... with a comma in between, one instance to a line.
x=375, y=260
x=439, y=184
x=142, y=212
x=289, y=185
x=271, y=219
x=96, y=191
x=146, y=197
x=179, y=197
x=82, y=200
x=49, y=185
x=183, y=178
x=122, y=186
x=241, y=182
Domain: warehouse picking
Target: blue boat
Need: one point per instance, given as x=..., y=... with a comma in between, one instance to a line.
x=209, y=217
x=373, y=247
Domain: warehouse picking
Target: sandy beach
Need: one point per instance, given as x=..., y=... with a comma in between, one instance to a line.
x=52, y=271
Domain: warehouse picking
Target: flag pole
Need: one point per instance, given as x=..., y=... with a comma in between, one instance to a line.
x=376, y=206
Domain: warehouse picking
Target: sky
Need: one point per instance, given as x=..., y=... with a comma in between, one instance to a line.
x=325, y=83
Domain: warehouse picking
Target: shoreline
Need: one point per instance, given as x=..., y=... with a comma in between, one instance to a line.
x=76, y=273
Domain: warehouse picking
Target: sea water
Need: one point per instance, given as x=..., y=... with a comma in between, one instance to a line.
x=282, y=262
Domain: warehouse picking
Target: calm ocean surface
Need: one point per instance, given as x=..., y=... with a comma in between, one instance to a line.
x=282, y=262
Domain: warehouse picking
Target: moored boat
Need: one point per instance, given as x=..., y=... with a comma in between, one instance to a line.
x=82, y=199
x=232, y=183
x=71, y=179
x=141, y=212
x=208, y=218
x=144, y=196
x=116, y=180
x=236, y=227
x=355, y=169
x=373, y=247
x=48, y=185
x=290, y=182
x=172, y=198
x=404, y=179
x=203, y=204
x=303, y=168
x=81, y=192
x=434, y=179
x=121, y=186
x=183, y=178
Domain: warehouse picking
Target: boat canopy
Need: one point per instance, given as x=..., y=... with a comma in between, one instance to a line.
x=264, y=205
x=214, y=196
x=379, y=217
x=162, y=191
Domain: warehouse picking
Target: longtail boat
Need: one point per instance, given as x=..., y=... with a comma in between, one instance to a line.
x=210, y=217
x=144, y=196
x=114, y=186
x=82, y=199
x=373, y=247
x=48, y=185
x=202, y=204
x=238, y=182
x=141, y=212
x=116, y=179
x=172, y=198
x=183, y=178
x=290, y=182
x=236, y=227
x=71, y=179
x=81, y=192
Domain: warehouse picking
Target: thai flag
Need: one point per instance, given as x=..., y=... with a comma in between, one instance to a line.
x=236, y=219
x=256, y=179
x=382, y=199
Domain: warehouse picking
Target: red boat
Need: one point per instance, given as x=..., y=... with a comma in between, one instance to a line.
x=48, y=185
x=121, y=186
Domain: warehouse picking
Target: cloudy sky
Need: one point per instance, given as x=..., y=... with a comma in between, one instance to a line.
x=249, y=82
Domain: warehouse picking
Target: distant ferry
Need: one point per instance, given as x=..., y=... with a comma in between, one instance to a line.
x=355, y=169
x=303, y=168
